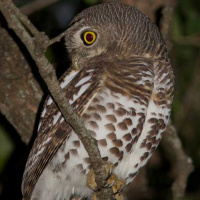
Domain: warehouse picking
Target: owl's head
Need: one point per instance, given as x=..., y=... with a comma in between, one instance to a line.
x=112, y=31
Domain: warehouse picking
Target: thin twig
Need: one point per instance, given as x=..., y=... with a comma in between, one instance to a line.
x=36, y=49
x=56, y=39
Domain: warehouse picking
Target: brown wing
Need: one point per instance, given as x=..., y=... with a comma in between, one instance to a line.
x=53, y=129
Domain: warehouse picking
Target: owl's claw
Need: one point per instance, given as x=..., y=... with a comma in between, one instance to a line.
x=91, y=180
x=111, y=181
x=116, y=183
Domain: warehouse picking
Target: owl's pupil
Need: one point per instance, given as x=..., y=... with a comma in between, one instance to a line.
x=89, y=37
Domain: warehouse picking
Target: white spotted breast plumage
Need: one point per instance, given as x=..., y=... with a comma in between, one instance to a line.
x=124, y=99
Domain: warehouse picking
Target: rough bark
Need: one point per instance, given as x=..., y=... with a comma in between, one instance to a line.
x=20, y=93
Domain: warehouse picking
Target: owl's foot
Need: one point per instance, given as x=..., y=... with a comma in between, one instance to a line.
x=91, y=180
x=116, y=184
x=112, y=181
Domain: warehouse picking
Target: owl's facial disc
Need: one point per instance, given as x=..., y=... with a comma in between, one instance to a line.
x=83, y=44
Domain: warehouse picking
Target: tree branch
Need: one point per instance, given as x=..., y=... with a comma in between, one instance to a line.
x=37, y=46
x=184, y=164
x=166, y=22
x=24, y=19
x=20, y=93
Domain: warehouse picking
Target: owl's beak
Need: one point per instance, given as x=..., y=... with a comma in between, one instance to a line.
x=75, y=63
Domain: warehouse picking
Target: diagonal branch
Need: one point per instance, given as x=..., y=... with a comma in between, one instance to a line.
x=23, y=18
x=37, y=46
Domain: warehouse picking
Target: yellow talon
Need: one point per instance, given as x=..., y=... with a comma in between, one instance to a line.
x=112, y=181
x=91, y=180
x=117, y=185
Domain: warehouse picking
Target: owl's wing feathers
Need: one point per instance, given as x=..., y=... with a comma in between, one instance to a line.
x=81, y=86
x=157, y=115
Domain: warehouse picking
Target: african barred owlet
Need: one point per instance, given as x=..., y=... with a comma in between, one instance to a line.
x=121, y=83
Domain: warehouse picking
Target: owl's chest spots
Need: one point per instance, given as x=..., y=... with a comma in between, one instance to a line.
x=114, y=121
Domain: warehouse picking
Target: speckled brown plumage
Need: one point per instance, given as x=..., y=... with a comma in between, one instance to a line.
x=123, y=89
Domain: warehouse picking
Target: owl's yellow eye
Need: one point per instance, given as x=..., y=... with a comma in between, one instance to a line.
x=89, y=37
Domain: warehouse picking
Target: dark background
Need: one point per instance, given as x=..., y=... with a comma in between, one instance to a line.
x=155, y=180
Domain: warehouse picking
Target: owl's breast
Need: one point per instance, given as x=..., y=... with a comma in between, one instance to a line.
x=115, y=121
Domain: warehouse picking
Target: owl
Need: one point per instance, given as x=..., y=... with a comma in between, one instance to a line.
x=121, y=84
